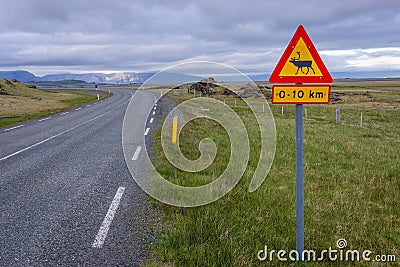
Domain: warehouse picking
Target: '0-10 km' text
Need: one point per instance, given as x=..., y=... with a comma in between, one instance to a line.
x=300, y=94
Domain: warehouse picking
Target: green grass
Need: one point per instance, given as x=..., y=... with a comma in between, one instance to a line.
x=23, y=103
x=352, y=189
x=8, y=121
x=192, y=133
x=79, y=99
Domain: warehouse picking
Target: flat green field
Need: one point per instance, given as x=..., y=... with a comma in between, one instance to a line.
x=352, y=185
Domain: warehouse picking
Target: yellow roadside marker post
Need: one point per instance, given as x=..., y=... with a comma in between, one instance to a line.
x=174, y=129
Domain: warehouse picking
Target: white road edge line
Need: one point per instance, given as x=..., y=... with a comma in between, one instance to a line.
x=12, y=128
x=78, y=108
x=151, y=120
x=105, y=226
x=136, y=154
x=62, y=114
x=147, y=131
x=45, y=119
x=154, y=113
x=66, y=131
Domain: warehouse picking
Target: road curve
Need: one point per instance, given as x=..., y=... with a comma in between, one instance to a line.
x=66, y=195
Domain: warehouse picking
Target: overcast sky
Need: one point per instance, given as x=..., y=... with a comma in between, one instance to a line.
x=53, y=36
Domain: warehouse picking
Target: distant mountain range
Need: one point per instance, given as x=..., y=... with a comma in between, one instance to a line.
x=138, y=78
x=98, y=78
x=20, y=75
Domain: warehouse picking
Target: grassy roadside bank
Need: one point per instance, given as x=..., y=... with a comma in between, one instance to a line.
x=19, y=102
x=352, y=186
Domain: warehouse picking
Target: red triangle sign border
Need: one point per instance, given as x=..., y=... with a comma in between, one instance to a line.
x=276, y=78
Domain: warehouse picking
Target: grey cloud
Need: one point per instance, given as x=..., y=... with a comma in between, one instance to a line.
x=139, y=35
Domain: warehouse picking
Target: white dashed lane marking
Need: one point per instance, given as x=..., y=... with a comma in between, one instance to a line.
x=136, y=154
x=105, y=226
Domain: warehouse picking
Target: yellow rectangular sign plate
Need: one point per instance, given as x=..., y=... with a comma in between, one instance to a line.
x=301, y=94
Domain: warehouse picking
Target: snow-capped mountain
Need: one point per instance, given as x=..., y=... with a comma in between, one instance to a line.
x=101, y=78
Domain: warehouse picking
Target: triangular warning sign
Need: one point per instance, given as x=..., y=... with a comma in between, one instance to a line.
x=300, y=63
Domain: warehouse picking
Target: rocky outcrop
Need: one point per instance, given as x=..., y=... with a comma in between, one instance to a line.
x=337, y=96
x=203, y=86
x=3, y=91
x=248, y=90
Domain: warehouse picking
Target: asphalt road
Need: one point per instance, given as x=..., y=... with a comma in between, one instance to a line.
x=66, y=195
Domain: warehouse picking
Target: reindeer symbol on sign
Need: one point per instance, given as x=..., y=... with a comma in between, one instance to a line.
x=300, y=64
